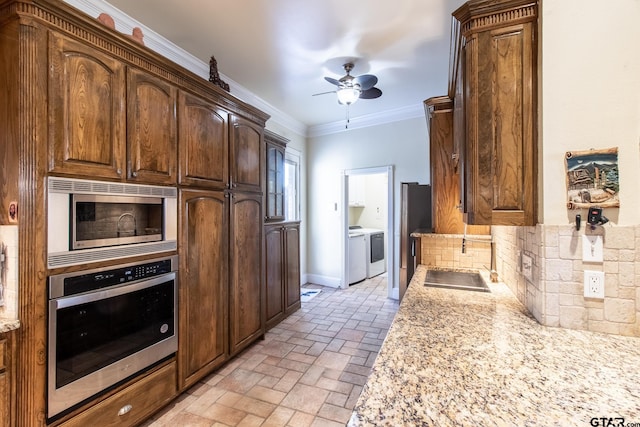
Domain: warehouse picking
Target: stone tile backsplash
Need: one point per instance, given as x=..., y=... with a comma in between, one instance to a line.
x=555, y=292
x=445, y=251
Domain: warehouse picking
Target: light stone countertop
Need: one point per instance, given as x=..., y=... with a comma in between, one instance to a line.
x=7, y=325
x=465, y=358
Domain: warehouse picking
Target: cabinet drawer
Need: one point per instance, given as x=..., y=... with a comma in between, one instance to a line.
x=129, y=406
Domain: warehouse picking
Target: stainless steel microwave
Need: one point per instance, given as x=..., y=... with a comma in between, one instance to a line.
x=95, y=220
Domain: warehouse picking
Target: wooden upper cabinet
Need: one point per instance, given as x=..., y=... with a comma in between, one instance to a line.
x=274, y=191
x=151, y=129
x=204, y=143
x=246, y=160
x=86, y=112
x=498, y=65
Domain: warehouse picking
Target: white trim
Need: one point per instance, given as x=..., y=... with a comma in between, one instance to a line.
x=398, y=114
x=316, y=279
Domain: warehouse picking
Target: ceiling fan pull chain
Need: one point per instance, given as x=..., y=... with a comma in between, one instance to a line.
x=346, y=126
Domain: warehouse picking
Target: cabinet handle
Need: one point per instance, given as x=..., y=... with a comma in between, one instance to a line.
x=125, y=410
x=134, y=174
x=119, y=171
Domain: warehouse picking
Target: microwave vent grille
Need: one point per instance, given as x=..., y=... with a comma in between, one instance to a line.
x=62, y=259
x=71, y=186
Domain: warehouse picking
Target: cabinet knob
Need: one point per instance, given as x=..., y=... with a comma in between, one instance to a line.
x=119, y=171
x=125, y=410
x=134, y=174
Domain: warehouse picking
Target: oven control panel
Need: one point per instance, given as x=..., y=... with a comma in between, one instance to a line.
x=86, y=281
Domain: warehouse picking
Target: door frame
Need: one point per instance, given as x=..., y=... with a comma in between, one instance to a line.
x=344, y=225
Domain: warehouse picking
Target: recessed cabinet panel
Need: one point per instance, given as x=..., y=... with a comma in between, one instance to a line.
x=292, y=267
x=204, y=294
x=86, y=112
x=246, y=155
x=274, y=274
x=204, y=143
x=246, y=274
x=151, y=121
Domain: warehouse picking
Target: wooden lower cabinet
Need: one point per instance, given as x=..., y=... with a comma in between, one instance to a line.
x=204, y=289
x=6, y=378
x=246, y=318
x=133, y=404
x=282, y=271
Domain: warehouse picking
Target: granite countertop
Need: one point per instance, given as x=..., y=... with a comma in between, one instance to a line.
x=7, y=325
x=458, y=358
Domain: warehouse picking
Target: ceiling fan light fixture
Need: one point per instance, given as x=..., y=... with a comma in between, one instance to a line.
x=347, y=95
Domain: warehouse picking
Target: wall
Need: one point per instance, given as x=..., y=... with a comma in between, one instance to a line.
x=374, y=213
x=401, y=144
x=445, y=251
x=589, y=98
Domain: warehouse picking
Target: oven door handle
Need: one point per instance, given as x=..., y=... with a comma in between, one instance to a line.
x=112, y=291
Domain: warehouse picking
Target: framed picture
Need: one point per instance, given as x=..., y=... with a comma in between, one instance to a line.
x=592, y=178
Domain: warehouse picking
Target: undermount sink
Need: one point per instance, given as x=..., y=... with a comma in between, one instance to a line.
x=462, y=280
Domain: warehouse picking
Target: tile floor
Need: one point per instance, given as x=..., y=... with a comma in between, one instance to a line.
x=308, y=371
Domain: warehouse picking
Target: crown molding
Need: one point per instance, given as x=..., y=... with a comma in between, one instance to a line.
x=388, y=116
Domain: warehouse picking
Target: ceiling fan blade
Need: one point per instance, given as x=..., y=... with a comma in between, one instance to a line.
x=332, y=81
x=323, y=93
x=374, y=92
x=367, y=81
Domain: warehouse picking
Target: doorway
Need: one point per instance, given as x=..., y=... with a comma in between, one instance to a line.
x=368, y=202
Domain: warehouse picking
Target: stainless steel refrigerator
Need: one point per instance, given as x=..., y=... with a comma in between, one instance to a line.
x=415, y=214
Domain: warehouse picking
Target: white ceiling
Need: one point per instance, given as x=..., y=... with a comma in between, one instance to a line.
x=280, y=50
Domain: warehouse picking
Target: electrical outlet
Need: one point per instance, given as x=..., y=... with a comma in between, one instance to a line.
x=594, y=284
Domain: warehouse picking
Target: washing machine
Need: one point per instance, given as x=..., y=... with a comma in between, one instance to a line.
x=374, y=247
x=357, y=269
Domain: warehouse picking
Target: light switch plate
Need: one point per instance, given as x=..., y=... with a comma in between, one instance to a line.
x=592, y=248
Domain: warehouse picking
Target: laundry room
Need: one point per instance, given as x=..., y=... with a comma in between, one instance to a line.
x=367, y=219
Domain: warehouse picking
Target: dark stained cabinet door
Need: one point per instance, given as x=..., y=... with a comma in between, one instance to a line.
x=204, y=143
x=151, y=129
x=274, y=264
x=292, y=267
x=498, y=95
x=246, y=155
x=246, y=271
x=87, y=115
x=204, y=282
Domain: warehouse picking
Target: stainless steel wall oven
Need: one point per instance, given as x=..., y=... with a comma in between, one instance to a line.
x=106, y=325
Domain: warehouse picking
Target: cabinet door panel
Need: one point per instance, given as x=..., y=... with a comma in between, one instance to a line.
x=204, y=143
x=246, y=275
x=204, y=285
x=151, y=129
x=86, y=111
x=292, y=263
x=246, y=155
x=512, y=80
x=274, y=304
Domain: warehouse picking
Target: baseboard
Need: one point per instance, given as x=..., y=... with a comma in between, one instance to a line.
x=316, y=279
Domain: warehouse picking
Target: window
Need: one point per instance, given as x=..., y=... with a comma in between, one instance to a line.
x=291, y=186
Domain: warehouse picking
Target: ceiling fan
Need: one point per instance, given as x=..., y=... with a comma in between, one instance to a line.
x=351, y=88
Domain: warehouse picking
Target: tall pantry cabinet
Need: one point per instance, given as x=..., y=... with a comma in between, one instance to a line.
x=83, y=100
x=222, y=296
